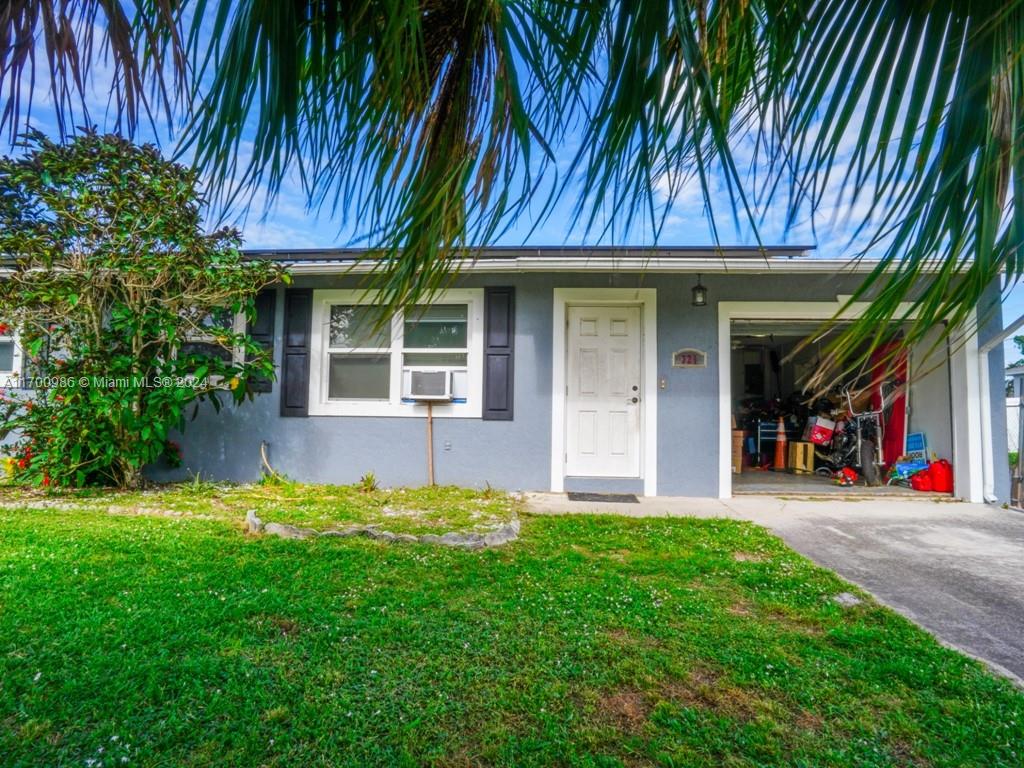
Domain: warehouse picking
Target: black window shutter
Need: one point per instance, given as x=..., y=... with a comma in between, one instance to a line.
x=262, y=332
x=298, y=321
x=499, y=352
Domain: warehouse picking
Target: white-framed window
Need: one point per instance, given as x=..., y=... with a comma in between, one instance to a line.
x=361, y=367
x=205, y=341
x=10, y=356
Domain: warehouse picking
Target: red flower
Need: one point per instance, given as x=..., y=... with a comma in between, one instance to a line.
x=4, y=329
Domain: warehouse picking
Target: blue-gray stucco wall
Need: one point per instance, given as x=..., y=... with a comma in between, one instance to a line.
x=508, y=454
x=516, y=454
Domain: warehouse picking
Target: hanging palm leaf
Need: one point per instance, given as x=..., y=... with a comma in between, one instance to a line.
x=145, y=50
x=435, y=124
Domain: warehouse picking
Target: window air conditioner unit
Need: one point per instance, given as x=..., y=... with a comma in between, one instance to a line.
x=428, y=384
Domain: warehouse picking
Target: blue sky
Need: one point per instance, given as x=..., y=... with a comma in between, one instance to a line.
x=287, y=223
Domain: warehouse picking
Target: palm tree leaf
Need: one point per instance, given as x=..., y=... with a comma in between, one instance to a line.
x=148, y=55
x=434, y=124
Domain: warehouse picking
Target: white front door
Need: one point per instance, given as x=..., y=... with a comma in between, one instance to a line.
x=603, y=390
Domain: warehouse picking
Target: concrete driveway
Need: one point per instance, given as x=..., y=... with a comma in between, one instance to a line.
x=956, y=569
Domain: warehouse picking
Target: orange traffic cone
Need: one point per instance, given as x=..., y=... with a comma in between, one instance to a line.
x=780, y=446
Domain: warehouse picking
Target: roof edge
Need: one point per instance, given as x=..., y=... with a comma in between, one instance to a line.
x=548, y=252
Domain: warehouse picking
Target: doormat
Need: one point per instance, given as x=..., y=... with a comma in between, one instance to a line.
x=613, y=498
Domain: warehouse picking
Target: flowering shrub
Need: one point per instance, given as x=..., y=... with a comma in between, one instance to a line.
x=114, y=282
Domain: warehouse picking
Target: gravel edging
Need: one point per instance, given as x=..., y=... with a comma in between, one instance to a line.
x=498, y=537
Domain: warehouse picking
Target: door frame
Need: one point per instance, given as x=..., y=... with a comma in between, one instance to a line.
x=647, y=300
x=971, y=410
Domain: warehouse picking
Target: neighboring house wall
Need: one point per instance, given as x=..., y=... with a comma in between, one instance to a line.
x=1012, y=424
x=1014, y=393
x=515, y=454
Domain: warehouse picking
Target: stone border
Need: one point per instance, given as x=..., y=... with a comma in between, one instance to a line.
x=498, y=537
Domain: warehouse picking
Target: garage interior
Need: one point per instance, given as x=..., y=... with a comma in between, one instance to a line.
x=767, y=372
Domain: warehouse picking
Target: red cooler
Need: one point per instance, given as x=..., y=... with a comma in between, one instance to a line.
x=820, y=430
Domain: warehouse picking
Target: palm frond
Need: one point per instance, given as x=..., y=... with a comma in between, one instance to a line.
x=433, y=124
x=929, y=103
x=419, y=119
x=149, y=66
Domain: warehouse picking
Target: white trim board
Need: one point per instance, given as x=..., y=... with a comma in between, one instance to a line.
x=970, y=403
x=12, y=378
x=972, y=418
x=647, y=298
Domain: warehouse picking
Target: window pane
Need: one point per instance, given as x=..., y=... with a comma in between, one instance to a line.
x=440, y=325
x=435, y=358
x=359, y=326
x=221, y=319
x=360, y=377
x=207, y=349
x=6, y=355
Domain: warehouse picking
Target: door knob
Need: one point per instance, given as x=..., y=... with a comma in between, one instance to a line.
x=635, y=400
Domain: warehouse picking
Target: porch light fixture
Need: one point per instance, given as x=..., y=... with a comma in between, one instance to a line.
x=700, y=294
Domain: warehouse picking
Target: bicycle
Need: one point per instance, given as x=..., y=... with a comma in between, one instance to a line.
x=856, y=443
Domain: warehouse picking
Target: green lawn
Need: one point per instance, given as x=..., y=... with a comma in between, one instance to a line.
x=148, y=629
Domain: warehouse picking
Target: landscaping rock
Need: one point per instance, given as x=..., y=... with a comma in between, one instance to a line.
x=253, y=522
x=389, y=536
x=453, y=539
x=847, y=599
x=502, y=535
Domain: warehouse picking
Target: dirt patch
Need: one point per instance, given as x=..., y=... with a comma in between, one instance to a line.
x=745, y=609
x=704, y=688
x=748, y=557
x=628, y=708
x=628, y=638
x=904, y=754
x=808, y=721
x=156, y=512
x=48, y=504
x=618, y=555
x=277, y=626
x=793, y=623
x=741, y=608
x=460, y=758
x=401, y=512
x=287, y=627
x=99, y=506
x=622, y=636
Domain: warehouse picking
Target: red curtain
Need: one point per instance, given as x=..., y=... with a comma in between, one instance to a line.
x=895, y=370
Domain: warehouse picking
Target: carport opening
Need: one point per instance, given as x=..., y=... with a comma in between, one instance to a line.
x=834, y=440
